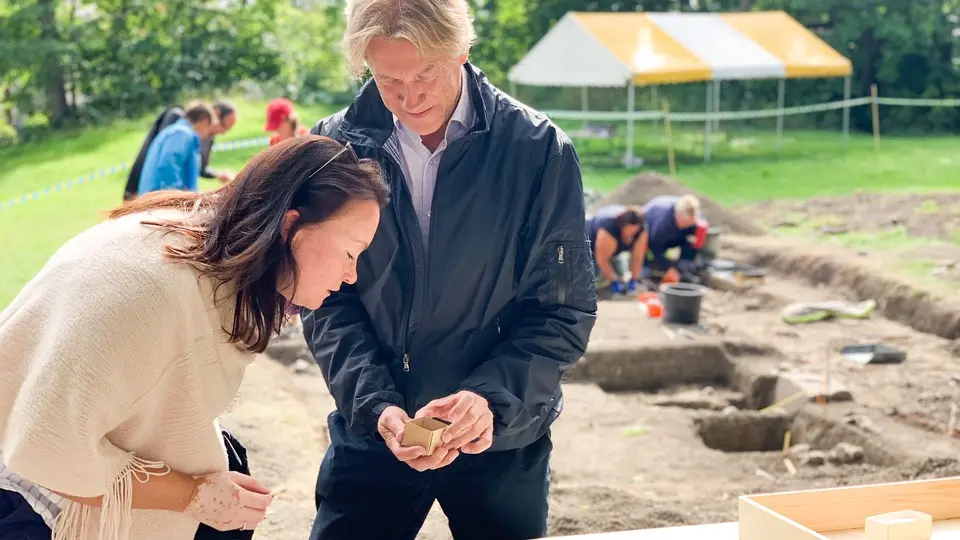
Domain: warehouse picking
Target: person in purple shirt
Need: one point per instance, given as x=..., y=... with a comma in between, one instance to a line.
x=174, y=158
x=614, y=232
x=672, y=222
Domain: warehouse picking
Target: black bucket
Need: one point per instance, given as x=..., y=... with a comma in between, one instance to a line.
x=681, y=302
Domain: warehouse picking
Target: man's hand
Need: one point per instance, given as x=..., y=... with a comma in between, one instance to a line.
x=392, y=421
x=471, y=421
x=225, y=177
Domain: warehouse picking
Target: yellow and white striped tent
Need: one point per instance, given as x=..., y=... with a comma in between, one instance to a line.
x=615, y=49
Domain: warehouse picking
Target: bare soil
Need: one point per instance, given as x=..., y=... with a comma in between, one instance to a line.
x=931, y=215
x=919, y=233
x=643, y=187
x=917, y=304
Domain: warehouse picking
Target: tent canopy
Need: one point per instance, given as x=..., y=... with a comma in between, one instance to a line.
x=611, y=49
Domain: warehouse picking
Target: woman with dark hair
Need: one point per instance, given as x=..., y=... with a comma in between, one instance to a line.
x=122, y=352
x=615, y=230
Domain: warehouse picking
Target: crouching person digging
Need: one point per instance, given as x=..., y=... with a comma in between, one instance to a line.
x=475, y=296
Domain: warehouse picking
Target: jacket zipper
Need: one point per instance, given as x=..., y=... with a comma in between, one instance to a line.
x=406, y=315
x=421, y=278
x=562, y=270
x=425, y=248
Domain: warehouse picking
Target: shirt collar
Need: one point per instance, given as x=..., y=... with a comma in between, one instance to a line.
x=463, y=115
x=186, y=123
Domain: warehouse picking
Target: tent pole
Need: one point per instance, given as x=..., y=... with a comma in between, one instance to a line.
x=708, y=123
x=656, y=105
x=513, y=89
x=846, y=108
x=716, y=104
x=583, y=104
x=780, y=91
x=628, y=158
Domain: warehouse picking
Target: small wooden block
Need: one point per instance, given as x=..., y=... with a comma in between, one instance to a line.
x=425, y=432
x=903, y=525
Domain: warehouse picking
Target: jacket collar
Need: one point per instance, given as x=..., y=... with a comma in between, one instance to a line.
x=368, y=121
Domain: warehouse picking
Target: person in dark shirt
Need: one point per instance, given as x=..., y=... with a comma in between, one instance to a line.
x=615, y=230
x=227, y=117
x=672, y=222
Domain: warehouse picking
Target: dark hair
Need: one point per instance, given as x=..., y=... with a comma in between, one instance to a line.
x=234, y=233
x=224, y=109
x=630, y=216
x=198, y=112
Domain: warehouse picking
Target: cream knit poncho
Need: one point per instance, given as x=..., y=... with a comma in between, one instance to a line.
x=113, y=359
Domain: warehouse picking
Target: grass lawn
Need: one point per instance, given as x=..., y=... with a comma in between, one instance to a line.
x=745, y=169
x=32, y=232
x=902, y=165
x=745, y=166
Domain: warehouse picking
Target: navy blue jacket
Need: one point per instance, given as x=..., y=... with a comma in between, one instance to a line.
x=661, y=225
x=502, y=301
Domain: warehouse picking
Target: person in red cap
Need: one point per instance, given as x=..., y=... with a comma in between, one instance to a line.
x=282, y=121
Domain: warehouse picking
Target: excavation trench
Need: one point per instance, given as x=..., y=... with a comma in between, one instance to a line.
x=745, y=403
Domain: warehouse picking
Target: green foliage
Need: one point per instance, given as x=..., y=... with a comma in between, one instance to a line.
x=104, y=59
x=313, y=69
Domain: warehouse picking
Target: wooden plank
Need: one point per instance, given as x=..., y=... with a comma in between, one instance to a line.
x=760, y=523
x=846, y=508
x=716, y=531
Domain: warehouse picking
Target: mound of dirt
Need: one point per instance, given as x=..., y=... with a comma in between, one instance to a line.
x=643, y=187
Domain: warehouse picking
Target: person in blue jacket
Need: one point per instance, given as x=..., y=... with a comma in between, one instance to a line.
x=672, y=222
x=174, y=158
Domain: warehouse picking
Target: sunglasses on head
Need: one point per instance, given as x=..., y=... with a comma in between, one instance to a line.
x=335, y=156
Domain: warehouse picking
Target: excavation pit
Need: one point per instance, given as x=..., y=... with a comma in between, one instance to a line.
x=743, y=431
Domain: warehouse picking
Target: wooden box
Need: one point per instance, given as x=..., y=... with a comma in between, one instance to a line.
x=841, y=513
x=425, y=432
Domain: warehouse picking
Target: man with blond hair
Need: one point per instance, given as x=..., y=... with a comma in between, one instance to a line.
x=474, y=298
x=672, y=224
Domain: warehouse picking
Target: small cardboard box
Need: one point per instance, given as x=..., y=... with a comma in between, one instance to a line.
x=902, y=525
x=425, y=432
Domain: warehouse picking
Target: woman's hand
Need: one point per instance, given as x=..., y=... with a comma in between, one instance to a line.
x=229, y=501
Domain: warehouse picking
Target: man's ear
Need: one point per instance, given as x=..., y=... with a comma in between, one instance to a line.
x=289, y=220
x=463, y=58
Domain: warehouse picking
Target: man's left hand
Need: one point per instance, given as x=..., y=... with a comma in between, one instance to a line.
x=470, y=417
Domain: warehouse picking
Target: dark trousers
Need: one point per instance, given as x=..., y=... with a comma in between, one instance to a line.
x=18, y=521
x=364, y=492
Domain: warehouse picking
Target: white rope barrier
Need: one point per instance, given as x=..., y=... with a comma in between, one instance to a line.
x=747, y=115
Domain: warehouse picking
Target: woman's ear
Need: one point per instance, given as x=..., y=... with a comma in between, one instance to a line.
x=289, y=220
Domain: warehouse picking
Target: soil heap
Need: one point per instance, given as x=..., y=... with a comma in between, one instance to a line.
x=645, y=186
